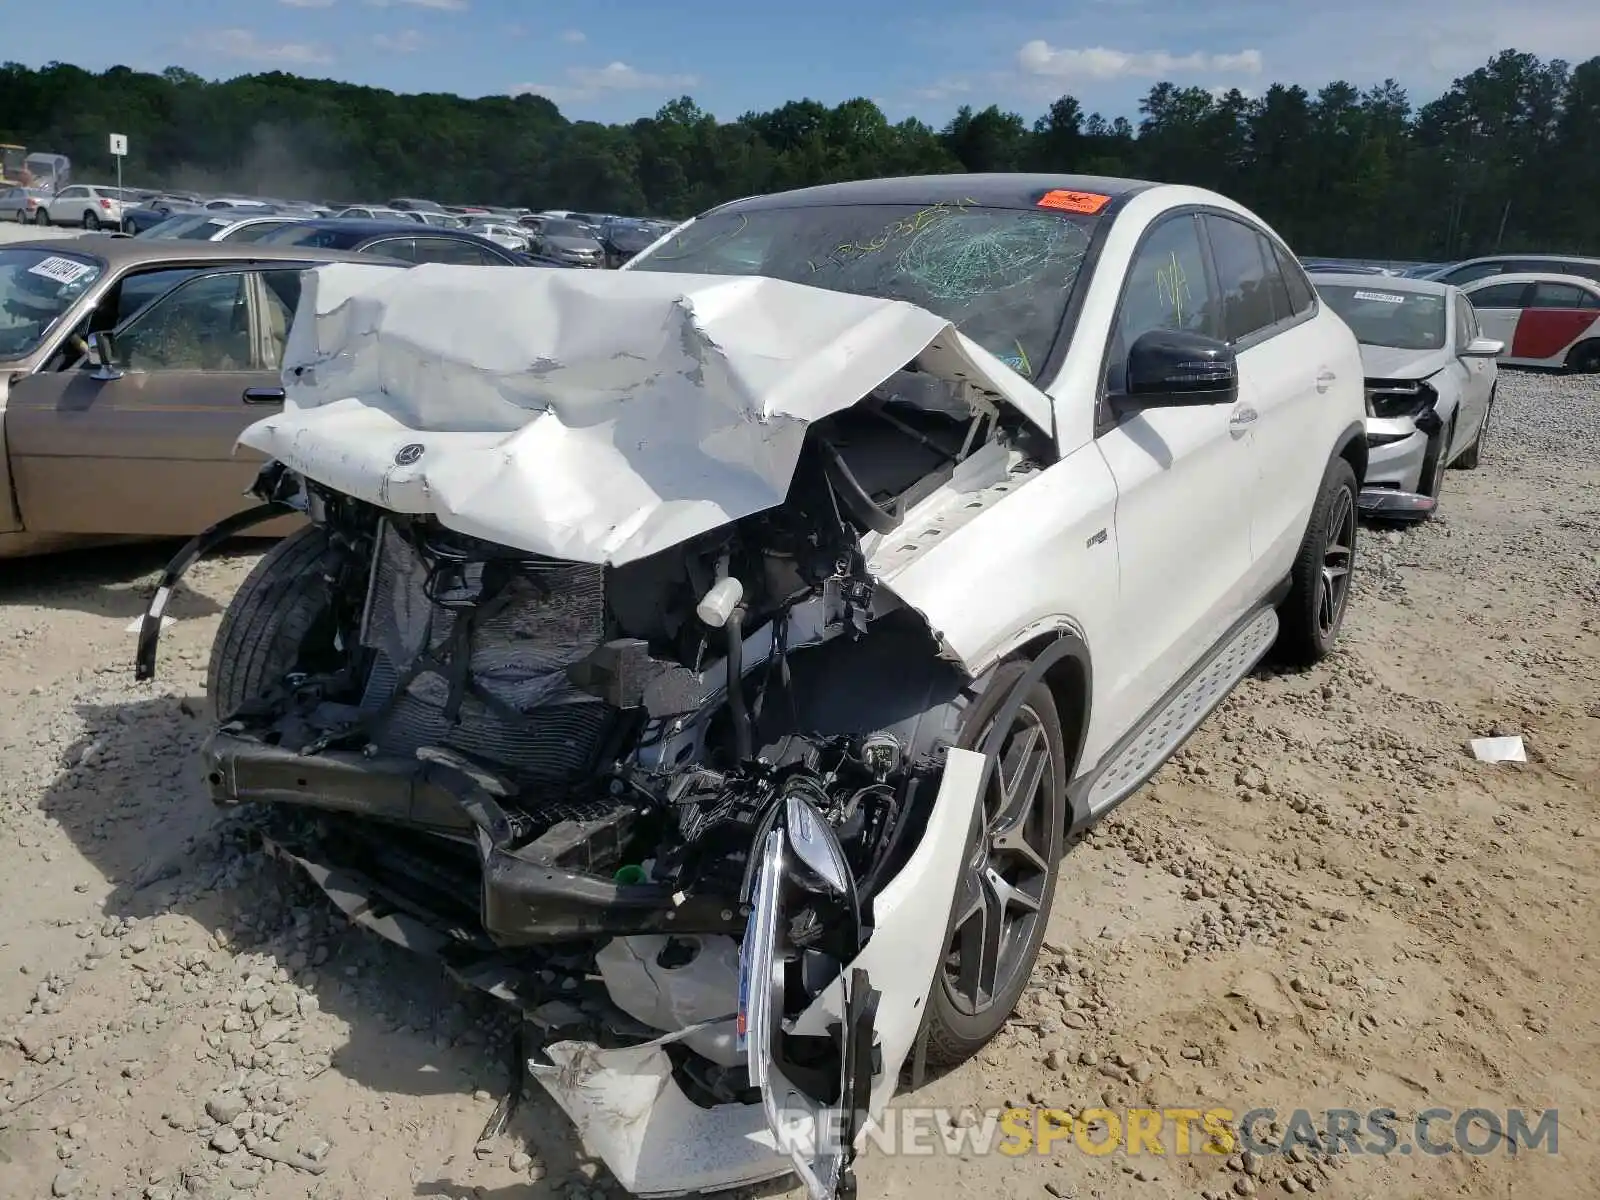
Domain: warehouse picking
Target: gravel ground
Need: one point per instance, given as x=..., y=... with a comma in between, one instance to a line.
x=1324, y=901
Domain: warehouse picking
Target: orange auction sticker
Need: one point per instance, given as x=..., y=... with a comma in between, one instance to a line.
x=1078, y=202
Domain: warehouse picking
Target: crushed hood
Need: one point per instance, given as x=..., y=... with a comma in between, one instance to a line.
x=594, y=417
x=1390, y=362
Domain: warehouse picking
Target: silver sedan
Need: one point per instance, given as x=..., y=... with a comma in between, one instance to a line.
x=1430, y=380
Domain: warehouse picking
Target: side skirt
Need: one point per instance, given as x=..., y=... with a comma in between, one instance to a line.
x=1140, y=754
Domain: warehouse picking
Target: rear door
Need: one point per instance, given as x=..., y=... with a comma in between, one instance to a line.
x=148, y=447
x=1556, y=315
x=1498, y=307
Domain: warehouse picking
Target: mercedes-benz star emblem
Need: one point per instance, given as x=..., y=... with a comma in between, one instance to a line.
x=408, y=454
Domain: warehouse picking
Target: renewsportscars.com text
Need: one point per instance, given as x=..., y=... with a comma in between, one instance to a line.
x=1013, y=1132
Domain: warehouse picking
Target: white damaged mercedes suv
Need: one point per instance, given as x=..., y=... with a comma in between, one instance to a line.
x=716, y=657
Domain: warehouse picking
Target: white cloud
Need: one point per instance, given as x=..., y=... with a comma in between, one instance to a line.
x=407, y=41
x=438, y=5
x=587, y=83
x=942, y=89
x=1040, y=58
x=308, y=3
x=574, y=37
x=247, y=46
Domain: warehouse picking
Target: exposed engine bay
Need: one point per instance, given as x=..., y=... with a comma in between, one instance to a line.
x=593, y=787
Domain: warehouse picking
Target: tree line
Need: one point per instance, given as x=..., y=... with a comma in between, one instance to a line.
x=1507, y=159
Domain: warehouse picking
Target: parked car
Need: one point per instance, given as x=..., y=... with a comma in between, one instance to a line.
x=82, y=204
x=442, y=220
x=1462, y=273
x=21, y=204
x=407, y=204
x=621, y=240
x=501, y=233
x=1544, y=320
x=397, y=239
x=128, y=367
x=149, y=213
x=368, y=212
x=569, y=242
x=241, y=202
x=211, y=225
x=765, y=659
x=1430, y=384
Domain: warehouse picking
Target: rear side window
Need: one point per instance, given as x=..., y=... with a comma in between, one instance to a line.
x=451, y=250
x=403, y=248
x=1499, y=295
x=1254, y=296
x=1472, y=271
x=1557, y=295
x=1302, y=296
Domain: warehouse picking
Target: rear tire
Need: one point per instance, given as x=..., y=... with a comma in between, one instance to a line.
x=1584, y=358
x=270, y=622
x=91, y=221
x=1310, y=618
x=956, y=1028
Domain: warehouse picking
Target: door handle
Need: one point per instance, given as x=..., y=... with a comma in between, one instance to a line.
x=263, y=395
x=1325, y=379
x=1240, y=420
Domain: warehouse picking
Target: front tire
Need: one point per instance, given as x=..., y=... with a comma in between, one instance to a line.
x=1473, y=454
x=41, y=217
x=1002, y=905
x=276, y=615
x=1319, y=591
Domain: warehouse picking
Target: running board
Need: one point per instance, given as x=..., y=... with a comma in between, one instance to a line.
x=1171, y=725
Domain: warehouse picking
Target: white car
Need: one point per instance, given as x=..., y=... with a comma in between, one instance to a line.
x=1543, y=319
x=367, y=212
x=1473, y=269
x=1430, y=380
x=512, y=237
x=81, y=204
x=733, y=643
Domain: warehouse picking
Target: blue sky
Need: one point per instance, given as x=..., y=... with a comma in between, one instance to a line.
x=618, y=59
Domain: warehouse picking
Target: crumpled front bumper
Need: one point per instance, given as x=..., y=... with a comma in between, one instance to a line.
x=1397, y=449
x=631, y=1113
x=428, y=807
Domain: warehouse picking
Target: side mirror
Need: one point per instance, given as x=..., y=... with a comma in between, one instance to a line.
x=1483, y=347
x=103, y=354
x=1172, y=367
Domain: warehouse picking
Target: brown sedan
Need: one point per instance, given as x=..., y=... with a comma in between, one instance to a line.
x=127, y=370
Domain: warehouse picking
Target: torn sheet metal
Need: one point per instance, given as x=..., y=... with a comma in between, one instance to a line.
x=596, y=417
x=630, y=1113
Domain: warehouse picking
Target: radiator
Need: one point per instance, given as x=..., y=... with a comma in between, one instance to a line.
x=519, y=656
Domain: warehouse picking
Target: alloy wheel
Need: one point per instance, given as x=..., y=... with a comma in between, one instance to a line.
x=1007, y=870
x=1338, y=557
